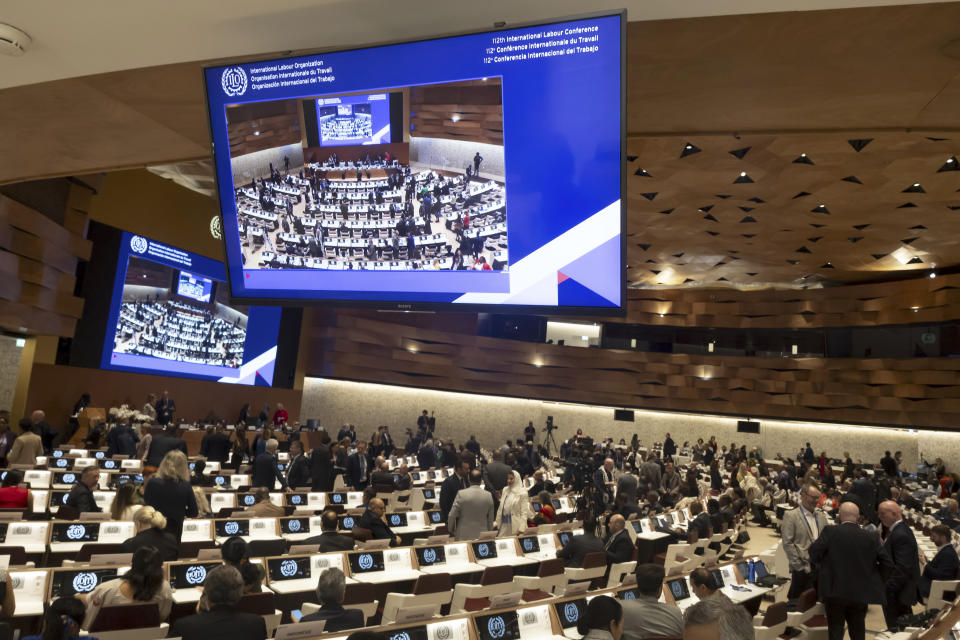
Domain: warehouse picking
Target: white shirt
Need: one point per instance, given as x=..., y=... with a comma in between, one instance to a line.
x=812, y=525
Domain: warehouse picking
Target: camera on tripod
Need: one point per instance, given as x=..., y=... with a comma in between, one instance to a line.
x=550, y=426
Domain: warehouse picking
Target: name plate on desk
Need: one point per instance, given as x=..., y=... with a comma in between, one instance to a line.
x=195, y=530
x=220, y=501
x=263, y=528
x=449, y=630
x=37, y=478
x=23, y=533
x=130, y=464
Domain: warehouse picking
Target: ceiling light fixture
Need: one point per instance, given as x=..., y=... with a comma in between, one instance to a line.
x=455, y=117
x=13, y=41
x=933, y=274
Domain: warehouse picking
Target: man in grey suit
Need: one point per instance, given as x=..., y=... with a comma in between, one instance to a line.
x=651, y=469
x=495, y=476
x=800, y=528
x=472, y=511
x=646, y=616
x=627, y=484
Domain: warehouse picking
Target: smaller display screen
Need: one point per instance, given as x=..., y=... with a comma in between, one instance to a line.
x=295, y=499
x=338, y=498
x=429, y=494
x=397, y=519
x=295, y=525
x=718, y=578
x=74, y=532
x=484, y=550
x=68, y=583
x=569, y=612
x=227, y=528
x=188, y=576
x=64, y=477
x=536, y=506
x=366, y=562
x=122, y=478
x=499, y=626
x=556, y=504
x=564, y=537
x=530, y=545
x=108, y=464
x=411, y=633
x=679, y=589
x=346, y=522
x=288, y=568
x=628, y=594
x=436, y=517
x=195, y=287
x=428, y=556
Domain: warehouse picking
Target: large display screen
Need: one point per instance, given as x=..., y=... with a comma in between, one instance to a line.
x=382, y=176
x=171, y=314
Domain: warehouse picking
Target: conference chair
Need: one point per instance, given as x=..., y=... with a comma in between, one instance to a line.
x=942, y=593
x=773, y=623
x=679, y=555
x=129, y=622
x=594, y=567
x=618, y=570
x=810, y=616
x=262, y=604
x=492, y=582
x=430, y=589
x=362, y=596
x=550, y=578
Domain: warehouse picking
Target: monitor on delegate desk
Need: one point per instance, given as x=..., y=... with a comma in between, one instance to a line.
x=397, y=519
x=364, y=200
x=564, y=537
x=67, y=583
x=74, y=532
x=288, y=568
x=427, y=556
x=188, y=576
x=435, y=517
x=570, y=612
x=227, y=528
x=498, y=626
x=530, y=544
x=411, y=633
x=678, y=588
x=295, y=525
x=366, y=562
x=484, y=550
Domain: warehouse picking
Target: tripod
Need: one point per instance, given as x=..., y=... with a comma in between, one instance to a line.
x=549, y=443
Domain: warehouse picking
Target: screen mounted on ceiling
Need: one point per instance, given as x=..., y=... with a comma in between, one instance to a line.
x=171, y=314
x=482, y=170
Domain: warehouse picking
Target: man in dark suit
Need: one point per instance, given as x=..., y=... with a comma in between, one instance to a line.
x=265, y=471
x=218, y=618
x=427, y=456
x=48, y=434
x=904, y=580
x=298, y=471
x=81, y=494
x=166, y=407
x=865, y=495
x=669, y=447
x=808, y=455
x=321, y=466
x=329, y=540
x=216, y=446
x=451, y=487
x=381, y=475
x=373, y=519
x=540, y=483
x=604, y=481
x=122, y=440
x=944, y=565
x=358, y=467
x=618, y=545
x=330, y=588
x=579, y=546
x=852, y=568
x=163, y=443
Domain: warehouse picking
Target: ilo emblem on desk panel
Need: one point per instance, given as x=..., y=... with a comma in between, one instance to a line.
x=109, y=464
x=76, y=531
x=288, y=568
x=99, y=455
x=220, y=480
x=403, y=635
x=196, y=574
x=248, y=500
x=483, y=550
x=629, y=595
x=296, y=499
x=429, y=556
x=348, y=523
x=293, y=525
x=233, y=80
x=365, y=561
x=69, y=478
x=571, y=612
x=138, y=244
x=337, y=498
x=496, y=627
x=395, y=520
x=444, y=632
x=528, y=544
x=231, y=528
x=529, y=618
x=84, y=582
x=62, y=462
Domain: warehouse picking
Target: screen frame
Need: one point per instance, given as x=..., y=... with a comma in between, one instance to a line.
x=393, y=305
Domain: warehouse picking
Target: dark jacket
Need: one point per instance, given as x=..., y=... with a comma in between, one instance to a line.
x=298, y=475
x=379, y=528
x=944, y=566
x=220, y=623
x=217, y=447
x=265, y=472
x=122, y=440
x=338, y=618
x=381, y=478
x=578, y=548
x=174, y=499
x=81, y=497
x=321, y=469
x=330, y=541
x=163, y=541
x=448, y=493
x=160, y=445
x=904, y=580
x=619, y=548
x=853, y=564
x=353, y=470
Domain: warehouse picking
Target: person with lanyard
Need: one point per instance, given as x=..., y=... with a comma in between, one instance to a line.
x=604, y=481
x=800, y=528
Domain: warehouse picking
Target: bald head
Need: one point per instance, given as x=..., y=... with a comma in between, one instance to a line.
x=849, y=512
x=888, y=512
x=616, y=523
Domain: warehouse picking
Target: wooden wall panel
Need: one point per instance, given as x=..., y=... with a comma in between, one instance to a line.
x=470, y=111
x=911, y=392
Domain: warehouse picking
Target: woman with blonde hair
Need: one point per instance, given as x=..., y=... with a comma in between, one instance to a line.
x=170, y=493
x=148, y=529
x=514, y=508
x=125, y=502
x=203, y=505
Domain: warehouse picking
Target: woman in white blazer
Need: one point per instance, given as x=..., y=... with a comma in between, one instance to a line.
x=514, y=510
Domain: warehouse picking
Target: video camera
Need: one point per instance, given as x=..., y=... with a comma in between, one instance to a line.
x=550, y=426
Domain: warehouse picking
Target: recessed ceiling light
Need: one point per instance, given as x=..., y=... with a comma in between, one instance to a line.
x=689, y=146
x=743, y=173
x=455, y=117
x=933, y=274
x=256, y=133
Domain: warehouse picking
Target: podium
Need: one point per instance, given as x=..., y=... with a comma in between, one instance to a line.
x=83, y=423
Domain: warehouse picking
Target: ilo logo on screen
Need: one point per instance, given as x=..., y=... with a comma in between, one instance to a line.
x=296, y=499
x=677, y=588
x=483, y=550
x=69, y=478
x=231, y=528
x=528, y=544
x=496, y=627
x=288, y=568
x=348, y=523
x=234, y=81
x=248, y=500
x=395, y=520
x=429, y=556
x=58, y=453
x=99, y=455
x=571, y=612
x=293, y=525
x=435, y=516
x=84, y=582
x=138, y=244
x=220, y=480
x=76, y=531
x=337, y=498
x=196, y=575
x=109, y=464
x=61, y=462
x=365, y=562
x=403, y=635
x=629, y=595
